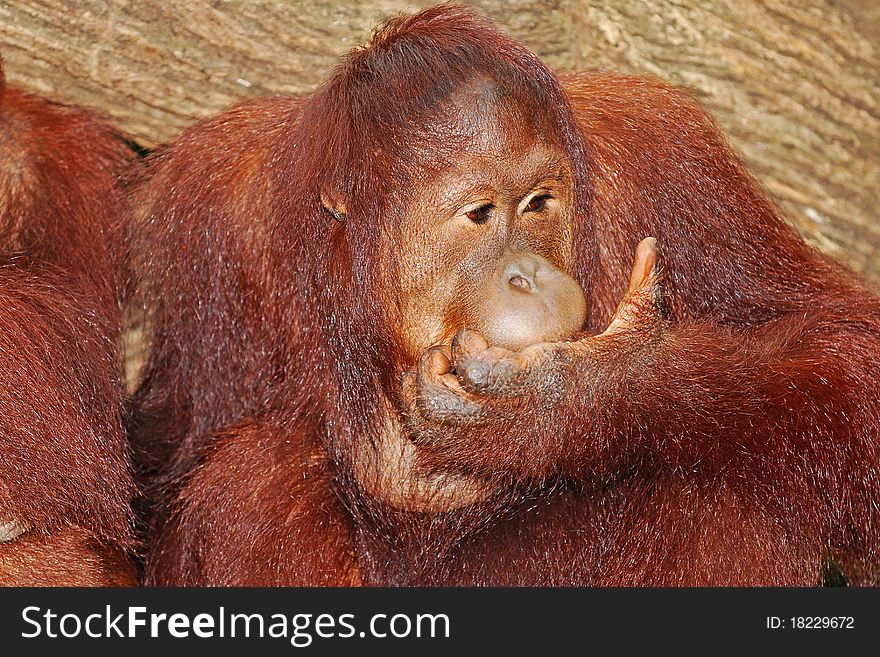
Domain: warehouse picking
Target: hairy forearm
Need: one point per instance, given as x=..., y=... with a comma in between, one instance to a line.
x=698, y=398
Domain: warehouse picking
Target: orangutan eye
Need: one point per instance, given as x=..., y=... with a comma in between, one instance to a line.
x=537, y=203
x=481, y=214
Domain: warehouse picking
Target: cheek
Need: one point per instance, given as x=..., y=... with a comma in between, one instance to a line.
x=432, y=279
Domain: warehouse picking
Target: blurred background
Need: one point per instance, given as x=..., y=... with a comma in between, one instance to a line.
x=795, y=85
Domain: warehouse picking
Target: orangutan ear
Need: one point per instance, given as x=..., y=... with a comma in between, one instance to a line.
x=333, y=204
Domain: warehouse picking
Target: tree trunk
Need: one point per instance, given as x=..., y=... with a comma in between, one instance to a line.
x=795, y=86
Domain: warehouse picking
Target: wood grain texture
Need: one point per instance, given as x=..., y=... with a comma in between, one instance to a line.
x=794, y=85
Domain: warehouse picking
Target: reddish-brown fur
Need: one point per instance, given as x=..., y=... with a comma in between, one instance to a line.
x=64, y=471
x=734, y=443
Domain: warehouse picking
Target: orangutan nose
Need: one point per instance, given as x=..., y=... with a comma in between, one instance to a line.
x=528, y=300
x=519, y=281
x=521, y=271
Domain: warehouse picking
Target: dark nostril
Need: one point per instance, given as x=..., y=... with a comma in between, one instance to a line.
x=520, y=281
